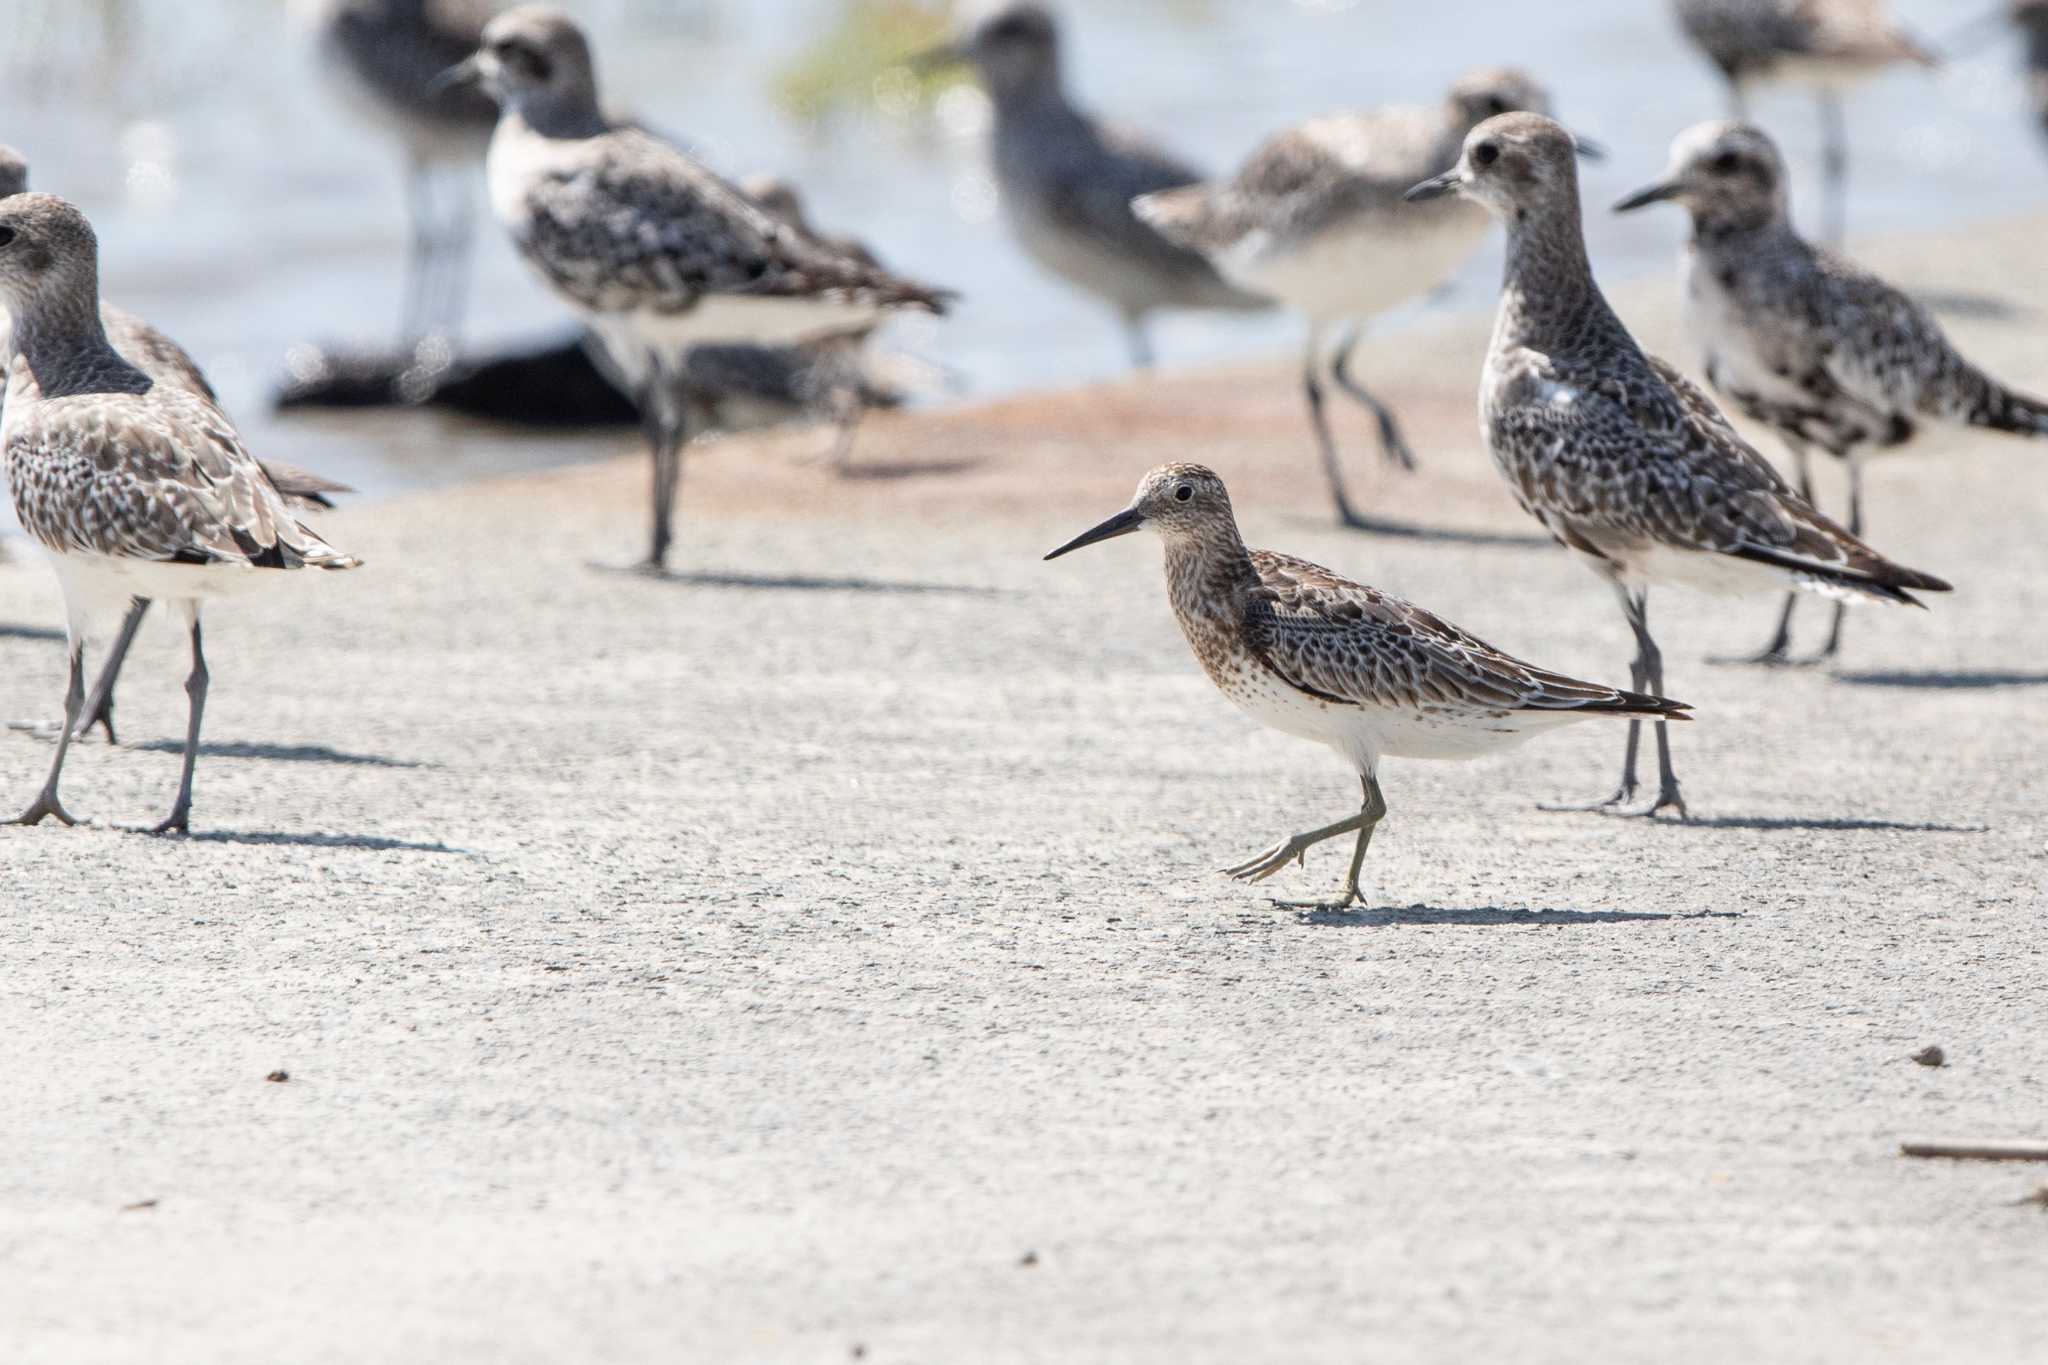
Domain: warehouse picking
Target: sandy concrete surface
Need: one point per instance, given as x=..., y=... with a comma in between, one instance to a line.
x=820, y=955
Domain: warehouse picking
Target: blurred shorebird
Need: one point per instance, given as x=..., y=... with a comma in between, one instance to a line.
x=137, y=489
x=1066, y=182
x=2032, y=18
x=1824, y=45
x=1315, y=655
x=1621, y=458
x=383, y=57
x=655, y=252
x=1822, y=352
x=164, y=361
x=736, y=386
x=1315, y=219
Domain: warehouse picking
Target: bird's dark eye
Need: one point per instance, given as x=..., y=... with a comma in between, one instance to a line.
x=1727, y=163
x=1486, y=154
x=528, y=59
x=1183, y=493
x=1496, y=105
x=6, y=235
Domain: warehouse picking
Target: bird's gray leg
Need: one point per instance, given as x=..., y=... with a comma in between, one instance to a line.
x=1738, y=101
x=46, y=802
x=1369, y=816
x=848, y=422
x=1639, y=678
x=1393, y=448
x=1312, y=386
x=670, y=406
x=1833, y=646
x=1272, y=860
x=179, y=821
x=1138, y=338
x=458, y=236
x=1835, y=166
x=1779, y=650
x=419, y=205
x=99, y=704
x=1653, y=670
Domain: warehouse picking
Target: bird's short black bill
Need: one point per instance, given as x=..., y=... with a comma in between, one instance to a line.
x=1643, y=198
x=468, y=71
x=1588, y=149
x=1436, y=187
x=1122, y=524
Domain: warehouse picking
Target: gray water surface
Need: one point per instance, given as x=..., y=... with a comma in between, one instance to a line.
x=244, y=211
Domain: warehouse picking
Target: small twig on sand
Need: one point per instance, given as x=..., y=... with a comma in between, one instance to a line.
x=1978, y=1149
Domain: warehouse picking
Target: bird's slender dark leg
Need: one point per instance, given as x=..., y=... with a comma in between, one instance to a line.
x=419, y=260
x=1367, y=820
x=1139, y=340
x=1835, y=166
x=1312, y=386
x=848, y=423
x=1292, y=849
x=1393, y=447
x=179, y=821
x=673, y=421
x=1778, y=652
x=46, y=802
x=1833, y=647
x=99, y=703
x=1639, y=679
x=1653, y=672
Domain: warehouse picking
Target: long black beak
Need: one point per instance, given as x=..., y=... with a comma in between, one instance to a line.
x=1643, y=198
x=937, y=58
x=466, y=72
x=1436, y=187
x=1588, y=149
x=1122, y=524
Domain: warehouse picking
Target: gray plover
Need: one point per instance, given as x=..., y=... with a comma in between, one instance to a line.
x=651, y=248
x=1065, y=182
x=736, y=386
x=136, y=489
x=1820, y=351
x=1622, y=459
x=1318, y=656
x=1825, y=45
x=1315, y=219
x=165, y=362
x=383, y=56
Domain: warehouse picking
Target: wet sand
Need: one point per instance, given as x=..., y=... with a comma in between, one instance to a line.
x=820, y=953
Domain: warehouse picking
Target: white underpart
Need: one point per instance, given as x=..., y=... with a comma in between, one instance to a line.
x=1076, y=257
x=636, y=340
x=1714, y=320
x=98, y=588
x=1365, y=734
x=1355, y=270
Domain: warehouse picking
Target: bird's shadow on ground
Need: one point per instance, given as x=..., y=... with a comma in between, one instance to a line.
x=715, y=578
x=281, y=753
x=13, y=632
x=881, y=470
x=1377, y=917
x=1844, y=824
x=1445, y=535
x=1939, y=681
x=367, y=842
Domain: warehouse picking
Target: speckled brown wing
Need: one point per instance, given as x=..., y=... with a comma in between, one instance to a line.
x=1345, y=642
x=153, y=353
x=638, y=225
x=158, y=476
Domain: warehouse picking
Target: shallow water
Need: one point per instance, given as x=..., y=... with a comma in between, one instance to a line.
x=244, y=211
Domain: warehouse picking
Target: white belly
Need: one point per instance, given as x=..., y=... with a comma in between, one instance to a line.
x=1727, y=346
x=636, y=341
x=98, y=588
x=1355, y=271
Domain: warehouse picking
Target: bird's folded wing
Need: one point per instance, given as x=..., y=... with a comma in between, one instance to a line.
x=1345, y=642
x=166, y=480
x=639, y=225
